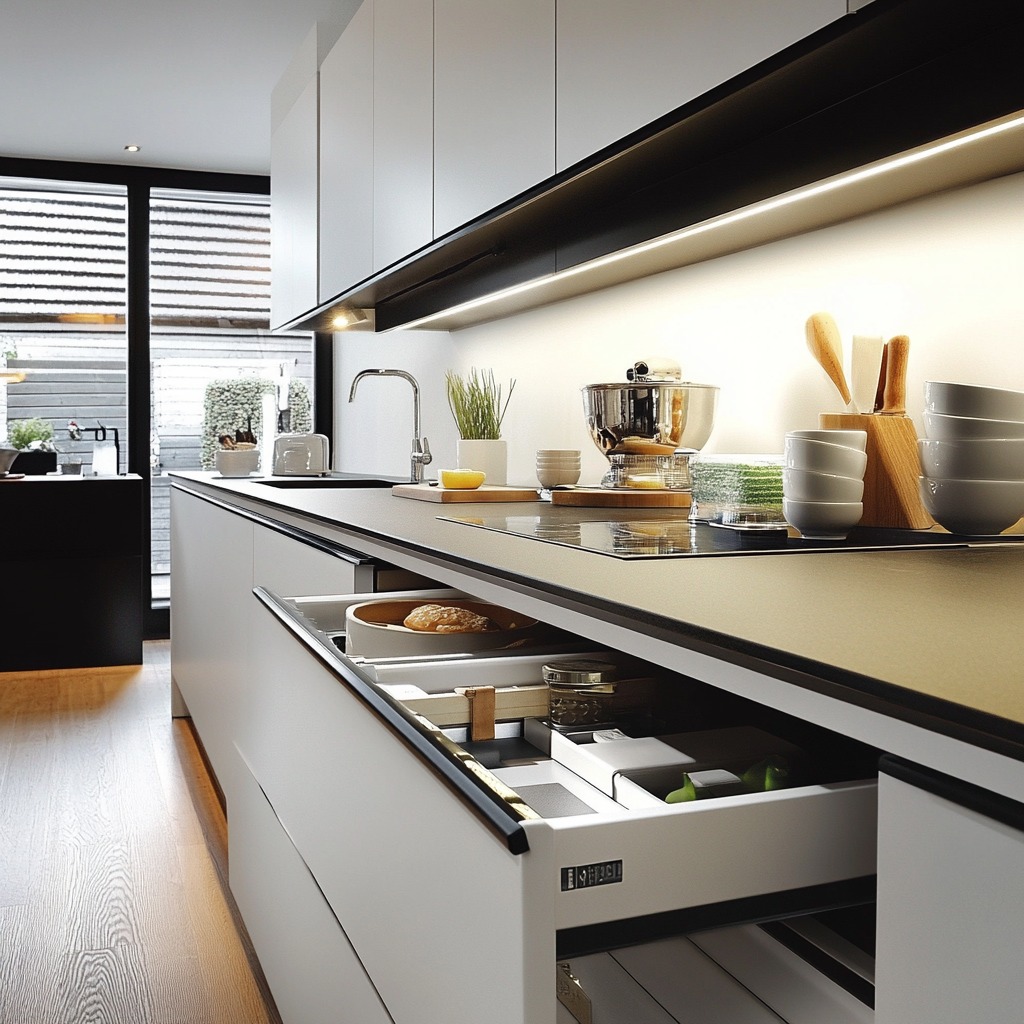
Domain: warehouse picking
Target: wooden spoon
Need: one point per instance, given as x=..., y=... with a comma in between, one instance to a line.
x=827, y=348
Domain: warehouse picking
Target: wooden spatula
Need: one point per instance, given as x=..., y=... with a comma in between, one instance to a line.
x=827, y=348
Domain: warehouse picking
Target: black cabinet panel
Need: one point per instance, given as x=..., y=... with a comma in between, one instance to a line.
x=72, y=591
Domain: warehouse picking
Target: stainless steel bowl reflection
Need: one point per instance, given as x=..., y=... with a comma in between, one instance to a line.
x=653, y=418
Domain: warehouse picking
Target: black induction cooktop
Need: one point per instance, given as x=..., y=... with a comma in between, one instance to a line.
x=656, y=534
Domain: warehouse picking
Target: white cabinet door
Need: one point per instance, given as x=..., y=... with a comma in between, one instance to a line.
x=494, y=98
x=622, y=65
x=403, y=130
x=430, y=899
x=293, y=210
x=211, y=615
x=346, y=157
x=312, y=970
x=950, y=911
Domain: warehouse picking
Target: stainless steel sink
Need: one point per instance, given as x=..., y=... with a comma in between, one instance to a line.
x=347, y=480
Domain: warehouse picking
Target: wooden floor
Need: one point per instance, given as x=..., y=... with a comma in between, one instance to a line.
x=113, y=901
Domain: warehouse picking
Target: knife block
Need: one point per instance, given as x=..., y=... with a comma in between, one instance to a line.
x=890, y=481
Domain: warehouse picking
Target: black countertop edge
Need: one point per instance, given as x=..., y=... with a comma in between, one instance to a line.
x=484, y=802
x=964, y=794
x=977, y=728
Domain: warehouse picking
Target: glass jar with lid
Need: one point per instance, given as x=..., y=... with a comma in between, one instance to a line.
x=581, y=692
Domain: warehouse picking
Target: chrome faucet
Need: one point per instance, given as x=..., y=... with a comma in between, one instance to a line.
x=420, y=456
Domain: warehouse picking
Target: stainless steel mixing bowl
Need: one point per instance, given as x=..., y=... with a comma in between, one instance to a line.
x=650, y=418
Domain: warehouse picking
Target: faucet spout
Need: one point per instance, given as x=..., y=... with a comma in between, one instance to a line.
x=420, y=455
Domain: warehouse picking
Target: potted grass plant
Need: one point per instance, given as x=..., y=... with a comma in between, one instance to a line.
x=475, y=400
x=33, y=438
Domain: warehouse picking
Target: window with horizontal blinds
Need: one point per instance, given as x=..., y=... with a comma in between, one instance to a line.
x=63, y=310
x=68, y=252
x=215, y=366
x=209, y=262
x=63, y=257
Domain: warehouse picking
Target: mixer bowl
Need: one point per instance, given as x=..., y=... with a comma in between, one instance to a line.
x=650, y=418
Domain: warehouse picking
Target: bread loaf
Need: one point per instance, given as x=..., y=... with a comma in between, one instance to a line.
x=438, y=618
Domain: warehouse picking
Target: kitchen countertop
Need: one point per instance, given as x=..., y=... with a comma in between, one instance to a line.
x=928, y=637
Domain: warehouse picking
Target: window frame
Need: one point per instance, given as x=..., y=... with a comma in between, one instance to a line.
x=139, y=183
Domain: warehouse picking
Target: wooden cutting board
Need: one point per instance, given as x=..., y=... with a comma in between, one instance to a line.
x=621, y=497
x=450, y=495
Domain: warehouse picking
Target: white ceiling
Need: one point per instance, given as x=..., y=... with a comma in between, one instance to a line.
x=187, y=80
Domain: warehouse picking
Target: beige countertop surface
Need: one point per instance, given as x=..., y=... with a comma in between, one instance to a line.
x=937, y=631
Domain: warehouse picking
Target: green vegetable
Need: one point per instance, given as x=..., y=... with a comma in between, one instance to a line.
x=684, y=794
x=771, y=773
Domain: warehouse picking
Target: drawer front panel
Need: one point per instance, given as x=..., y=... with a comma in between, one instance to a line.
x=693, y=855
x=411, y=873
x=313, y=972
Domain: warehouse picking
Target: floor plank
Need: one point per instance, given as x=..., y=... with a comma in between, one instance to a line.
x=113, y=848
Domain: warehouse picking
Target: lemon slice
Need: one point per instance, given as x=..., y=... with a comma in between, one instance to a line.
x=461, y=479
x=652, y=483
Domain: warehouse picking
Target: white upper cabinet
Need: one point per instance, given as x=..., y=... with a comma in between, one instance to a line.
x=346, y=157
x=621, y=65
x=494, y=103
x=403, y=130
x=293, y=197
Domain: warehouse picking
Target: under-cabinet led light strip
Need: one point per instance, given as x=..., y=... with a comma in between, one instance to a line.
x=760, y=209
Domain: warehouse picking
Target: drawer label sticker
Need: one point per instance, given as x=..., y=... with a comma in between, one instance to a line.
x=586, y=876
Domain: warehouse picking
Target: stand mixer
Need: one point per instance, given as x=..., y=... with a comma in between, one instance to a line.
x=648, y=428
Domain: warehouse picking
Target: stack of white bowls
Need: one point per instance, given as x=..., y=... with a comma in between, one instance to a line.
x=823, y=481
x=557, y=466
x=972, y=458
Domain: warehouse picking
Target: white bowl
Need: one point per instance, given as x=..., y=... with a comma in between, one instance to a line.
x=979, y=508
x=554, y=460
x=962, y=428
x=822, y=520
x=982, y=458
x=553, y=476
x=373, y=629
x=235, y=462
x=821, y=457
x=805, y=485
x=952, y=399
x=850, y=438
x=558, y=453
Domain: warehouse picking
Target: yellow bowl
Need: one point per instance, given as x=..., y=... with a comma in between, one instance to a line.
x=461, y=479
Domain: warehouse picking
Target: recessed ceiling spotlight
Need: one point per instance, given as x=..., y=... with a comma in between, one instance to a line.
x=132, y=148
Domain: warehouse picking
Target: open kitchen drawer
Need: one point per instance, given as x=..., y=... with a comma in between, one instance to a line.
x=619, y=851
x=500, y=855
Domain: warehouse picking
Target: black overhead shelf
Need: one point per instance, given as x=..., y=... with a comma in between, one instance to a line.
x=896, y=75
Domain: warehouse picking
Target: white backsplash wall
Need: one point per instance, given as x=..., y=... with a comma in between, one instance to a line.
x=948, y=271
x=373, y=434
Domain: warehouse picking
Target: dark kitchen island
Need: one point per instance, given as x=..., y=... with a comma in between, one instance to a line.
x=71, y=558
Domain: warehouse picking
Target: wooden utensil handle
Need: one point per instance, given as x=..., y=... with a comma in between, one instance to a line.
x=883, y=370
x=898, y=352
x=826, y=345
